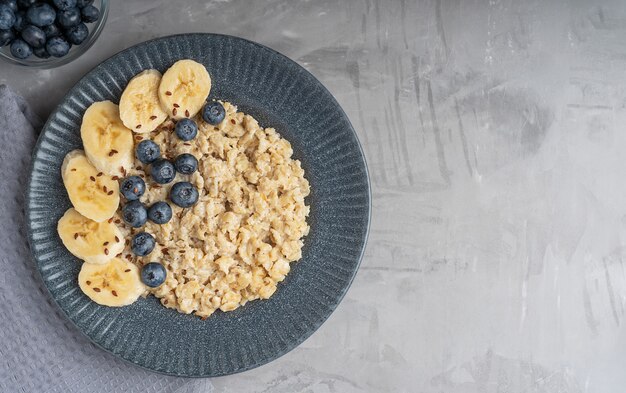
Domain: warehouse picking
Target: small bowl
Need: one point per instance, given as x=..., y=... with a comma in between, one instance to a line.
x=76, y=51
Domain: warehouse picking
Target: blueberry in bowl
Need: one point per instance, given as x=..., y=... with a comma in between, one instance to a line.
x=7, y=17
x=142, y=244
x=58, y=47
x=186, y=164
x=184, y=194
x=41, y=14
x=160, y=213
x=153, y=274
x=213, y=113
x=20, y=49
x=162, y=171
x=34, y=36
x=78, y=34
x=147, y=152
x=69, y=18
x=70, y=28
x=90, y=14
x=135, y=214
x=132, y=187
x=186, y=129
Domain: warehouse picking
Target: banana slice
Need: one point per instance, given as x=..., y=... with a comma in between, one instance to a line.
x=184, y=89
x=114, y=284
x=108, y=143
x=93, y=242
x=140, y=108
x=93, y=194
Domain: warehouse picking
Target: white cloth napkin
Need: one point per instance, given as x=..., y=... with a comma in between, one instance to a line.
x=40, y=351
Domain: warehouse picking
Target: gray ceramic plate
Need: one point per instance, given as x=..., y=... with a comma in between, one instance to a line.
x=279, y=93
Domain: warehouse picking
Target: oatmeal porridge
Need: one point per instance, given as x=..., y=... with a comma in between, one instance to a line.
x=237, y=242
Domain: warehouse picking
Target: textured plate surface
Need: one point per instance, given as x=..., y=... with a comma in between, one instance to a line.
x=279, y=93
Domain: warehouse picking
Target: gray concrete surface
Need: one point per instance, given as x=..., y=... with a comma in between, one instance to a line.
x=496, y=139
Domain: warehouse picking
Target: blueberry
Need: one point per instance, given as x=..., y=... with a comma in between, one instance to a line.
x=57, y=46
x=7, y=17
x=41, y=14
x=186, y=129
x=153, y=274
x=25, y=3
x=135, y=214
x=184, y=194
x=90, y=14
x=132, y=188
x=64, y=4
x=52, y=30
x=142, y=244
x=69, y=18
x=34, y=36
x=186, y=164
x=6, y=36
x=160, y=213
x=147, y=152
x=41, y=53
x=162, y=171
x=20, y=49
x=20, y=21
x=83, y=3
x=213, y=113
x=12, y=4
x=77, y=34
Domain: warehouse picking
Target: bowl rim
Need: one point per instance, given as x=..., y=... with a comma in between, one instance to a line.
x=54, y=62
x=313, y=328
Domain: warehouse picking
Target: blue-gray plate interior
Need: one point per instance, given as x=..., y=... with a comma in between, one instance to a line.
x=279, y=93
